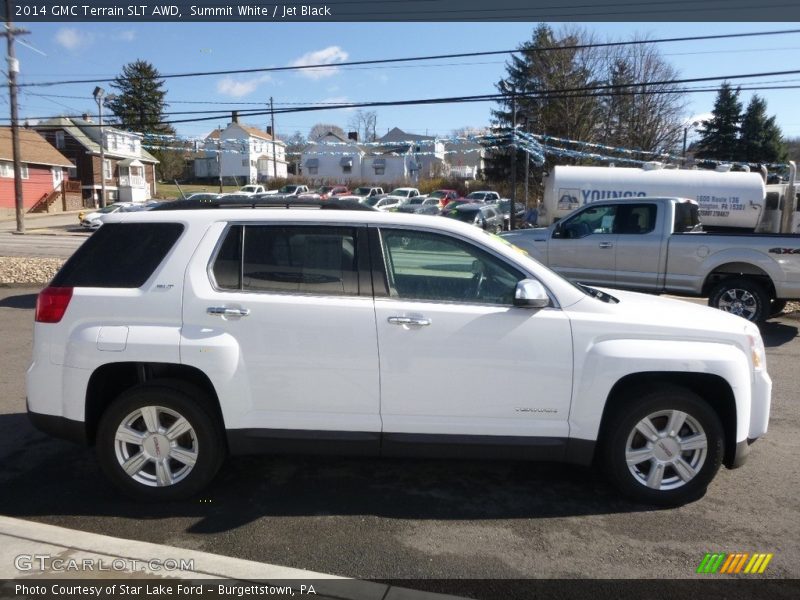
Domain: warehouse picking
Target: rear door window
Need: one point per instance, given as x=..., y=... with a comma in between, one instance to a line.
x=290, y=259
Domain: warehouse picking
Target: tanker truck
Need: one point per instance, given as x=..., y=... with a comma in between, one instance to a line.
x=734, y=201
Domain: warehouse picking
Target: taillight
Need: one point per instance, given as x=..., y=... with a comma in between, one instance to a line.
x=52, y=303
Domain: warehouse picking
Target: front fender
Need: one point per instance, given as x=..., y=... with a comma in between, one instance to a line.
x=607, y=362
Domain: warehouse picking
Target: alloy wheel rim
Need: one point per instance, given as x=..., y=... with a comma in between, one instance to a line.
x=666, y=450
x=739, y=302
x=156, y=446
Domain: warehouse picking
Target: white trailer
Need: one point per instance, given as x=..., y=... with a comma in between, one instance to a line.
x=727, y=199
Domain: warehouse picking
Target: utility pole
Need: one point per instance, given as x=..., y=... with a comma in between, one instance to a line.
x=98, y=96
x=513, y=216
x=13, y=68
x=272, y=129
x=219, y=157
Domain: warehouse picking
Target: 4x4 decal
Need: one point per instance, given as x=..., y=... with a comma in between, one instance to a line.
x=784, y=250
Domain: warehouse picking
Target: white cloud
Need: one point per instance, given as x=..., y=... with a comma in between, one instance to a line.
x=128, y=35
x=338, y=100
x=72, y=39
x=327, y=56
x=241, y=87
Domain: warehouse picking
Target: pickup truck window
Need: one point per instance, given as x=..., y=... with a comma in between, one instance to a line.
x=594, y=219
x=687, y=217
x=427, y=266
x=298, y=259
x=636, y=219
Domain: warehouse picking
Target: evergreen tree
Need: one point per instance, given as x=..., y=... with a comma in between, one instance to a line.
x=720, y=134
x=138, y=104
x=761, y=140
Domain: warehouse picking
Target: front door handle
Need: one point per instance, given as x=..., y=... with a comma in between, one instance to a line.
x=410, y=321
x=606, y=245
x=224, y=311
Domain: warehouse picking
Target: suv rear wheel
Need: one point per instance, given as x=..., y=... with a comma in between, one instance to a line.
x=666, y=448
x=159, y=442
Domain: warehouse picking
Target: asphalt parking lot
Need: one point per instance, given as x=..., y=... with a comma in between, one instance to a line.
x=370, y=518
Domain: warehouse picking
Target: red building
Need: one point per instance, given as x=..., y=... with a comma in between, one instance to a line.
x=44, y=171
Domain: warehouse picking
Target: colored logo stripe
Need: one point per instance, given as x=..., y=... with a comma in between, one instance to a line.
x=720, y=562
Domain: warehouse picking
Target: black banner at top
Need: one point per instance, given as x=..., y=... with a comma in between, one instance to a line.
x=405, y=10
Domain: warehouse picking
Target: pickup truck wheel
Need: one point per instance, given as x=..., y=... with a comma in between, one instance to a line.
x=742, y=297
x=665, y=447
x=776, y=307
x=158, y=442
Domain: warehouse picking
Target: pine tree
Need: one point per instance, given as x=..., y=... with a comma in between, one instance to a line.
x=761, y=140
x=720, y=133
x=139, y=101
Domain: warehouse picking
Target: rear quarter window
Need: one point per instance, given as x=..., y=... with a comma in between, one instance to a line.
x=119, y=255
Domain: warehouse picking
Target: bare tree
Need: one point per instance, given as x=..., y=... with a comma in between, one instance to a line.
x=365, y=122
x=649, y=117
x=321, y=129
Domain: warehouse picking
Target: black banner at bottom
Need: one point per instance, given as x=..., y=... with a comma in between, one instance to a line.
x=403, y=589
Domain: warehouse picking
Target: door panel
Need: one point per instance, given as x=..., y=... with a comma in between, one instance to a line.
x=639, y=246
x=304, y=356
x=456, y=357
x=585, y=251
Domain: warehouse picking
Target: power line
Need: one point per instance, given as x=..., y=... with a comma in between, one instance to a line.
x=430, y=57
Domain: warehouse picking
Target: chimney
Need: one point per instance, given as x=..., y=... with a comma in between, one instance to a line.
x=234, y=116
x=86, y=117
x=269, y=130
x=352, y=135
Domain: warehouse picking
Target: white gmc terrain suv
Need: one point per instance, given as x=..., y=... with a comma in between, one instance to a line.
x=173, y=338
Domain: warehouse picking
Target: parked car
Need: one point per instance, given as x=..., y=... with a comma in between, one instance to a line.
x=171, y=339
x=420, y=205
x=326, y=191
x=203, y=196
x=251, y=190
x=382, y=203
x=368, y=192
x=486, y=216
x=504, y=206
x=484, y=196
x=289, y=190
x=444, y=197
x=454, y=204
x=402, y=194
x=95, y=219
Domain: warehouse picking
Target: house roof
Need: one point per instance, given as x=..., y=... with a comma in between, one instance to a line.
x=251, y=131
x=398, y=135
x=34, y=149
x=87, y=134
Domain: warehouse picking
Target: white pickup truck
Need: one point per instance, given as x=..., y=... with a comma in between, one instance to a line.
x=657, y=245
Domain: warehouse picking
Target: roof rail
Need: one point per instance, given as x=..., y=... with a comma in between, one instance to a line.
x=263, y=201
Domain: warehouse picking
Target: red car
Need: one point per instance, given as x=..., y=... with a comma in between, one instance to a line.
x=445, y=196
x=327, y=191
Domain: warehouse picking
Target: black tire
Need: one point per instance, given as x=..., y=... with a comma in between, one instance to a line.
x=620, y=429
x=204, y=441
x=776, y=307
x=743, y=297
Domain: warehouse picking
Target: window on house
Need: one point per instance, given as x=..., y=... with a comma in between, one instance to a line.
x=73, y=172
x=6, y=169
x=132, y=145
x=107, y=170
x=244, y=162
x=347, y=169
x=380, y=170
x=60, y=140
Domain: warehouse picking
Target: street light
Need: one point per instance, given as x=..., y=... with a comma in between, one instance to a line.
x=685, y=131
x=98, y=96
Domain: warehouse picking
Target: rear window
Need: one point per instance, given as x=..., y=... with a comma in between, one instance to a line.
x=119, y=255
x=687, y=217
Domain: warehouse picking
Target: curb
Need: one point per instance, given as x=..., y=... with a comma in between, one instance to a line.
x=23, y=537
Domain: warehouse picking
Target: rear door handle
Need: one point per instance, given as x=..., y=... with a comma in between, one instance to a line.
x=224, y=311
x=410, y=321
x=606, y=245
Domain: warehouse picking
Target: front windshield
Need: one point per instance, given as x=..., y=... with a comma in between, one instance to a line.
x=372, y=201
x=467, y=216
x=437, y=195
x=476, y=196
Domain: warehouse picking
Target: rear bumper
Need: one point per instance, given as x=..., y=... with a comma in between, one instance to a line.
x=59, y=427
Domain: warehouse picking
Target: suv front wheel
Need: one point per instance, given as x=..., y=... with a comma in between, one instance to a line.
x=160, y=442
x=664, y=446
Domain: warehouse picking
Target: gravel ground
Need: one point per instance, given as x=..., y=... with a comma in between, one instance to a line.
x=21, y=270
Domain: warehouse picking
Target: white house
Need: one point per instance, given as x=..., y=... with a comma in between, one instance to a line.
x=428, y=152
x=242, y=152
x=332, y=158
x=465, y=159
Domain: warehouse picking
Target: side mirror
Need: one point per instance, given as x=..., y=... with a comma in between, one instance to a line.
x=531, y=294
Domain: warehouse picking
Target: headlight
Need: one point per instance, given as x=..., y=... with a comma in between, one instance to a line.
x=757, y=352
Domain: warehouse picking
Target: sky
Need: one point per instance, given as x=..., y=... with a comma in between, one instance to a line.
x=85, y=50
